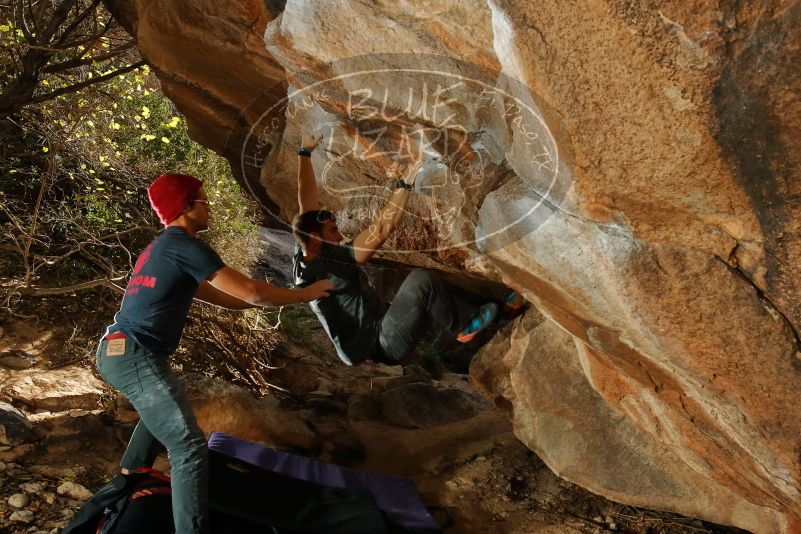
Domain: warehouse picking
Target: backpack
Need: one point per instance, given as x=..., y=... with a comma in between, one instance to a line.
x=128, y=504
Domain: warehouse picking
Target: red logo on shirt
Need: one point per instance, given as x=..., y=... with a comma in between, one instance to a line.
x=137, y=280
x=142, y=259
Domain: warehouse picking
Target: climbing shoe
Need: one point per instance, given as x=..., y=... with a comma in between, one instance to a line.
x=513, y=305
x=486, y=314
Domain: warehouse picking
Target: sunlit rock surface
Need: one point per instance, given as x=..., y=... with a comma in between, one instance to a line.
x=633, y=170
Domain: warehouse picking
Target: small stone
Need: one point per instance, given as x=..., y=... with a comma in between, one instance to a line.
x=612, y=526
x=49, y=497
x=17, y=359
x=324, y=385
x=21, y=516
x=74, y=491
x=18, y=500
x=78, y=412
x=13, y=454
x=481, y=458
x=390, y=370
x=32, y=487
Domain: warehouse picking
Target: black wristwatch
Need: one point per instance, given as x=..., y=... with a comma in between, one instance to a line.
x=400, y=184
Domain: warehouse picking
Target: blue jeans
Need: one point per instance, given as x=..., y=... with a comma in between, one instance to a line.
x=166, y=416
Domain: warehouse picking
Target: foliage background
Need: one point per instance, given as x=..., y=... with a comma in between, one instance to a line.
x=78, y=149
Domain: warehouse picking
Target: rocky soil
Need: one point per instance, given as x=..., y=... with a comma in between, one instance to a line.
x=64, y=431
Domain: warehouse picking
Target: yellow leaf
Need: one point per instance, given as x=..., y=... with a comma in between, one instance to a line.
x=165, y=140
x=45, y=149
x=5, y=28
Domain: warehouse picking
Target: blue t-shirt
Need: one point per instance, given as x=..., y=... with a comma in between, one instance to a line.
x=164, y=282
x=352, y=311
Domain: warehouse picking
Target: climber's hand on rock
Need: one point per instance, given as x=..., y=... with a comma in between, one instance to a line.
x=310, y=141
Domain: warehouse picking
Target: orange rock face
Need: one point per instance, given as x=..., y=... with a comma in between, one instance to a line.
x=632, y=169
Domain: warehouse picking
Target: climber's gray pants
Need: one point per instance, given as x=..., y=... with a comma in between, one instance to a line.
x=423, y=296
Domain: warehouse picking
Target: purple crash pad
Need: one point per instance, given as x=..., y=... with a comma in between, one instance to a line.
x=396, y=496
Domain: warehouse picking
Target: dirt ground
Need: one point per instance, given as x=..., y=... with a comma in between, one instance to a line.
x=473, y=473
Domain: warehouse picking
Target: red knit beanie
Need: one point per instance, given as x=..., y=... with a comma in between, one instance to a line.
x=169, y=194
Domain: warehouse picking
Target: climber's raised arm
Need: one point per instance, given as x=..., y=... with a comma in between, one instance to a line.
x=307, y=183
x=370, y=240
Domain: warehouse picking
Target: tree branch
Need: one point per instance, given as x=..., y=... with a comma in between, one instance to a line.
x=80, y=62
x=42, y=291
x=84, y=84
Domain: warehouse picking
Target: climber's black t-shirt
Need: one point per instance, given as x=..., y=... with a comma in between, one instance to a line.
x=351, y=313
x=164, y=282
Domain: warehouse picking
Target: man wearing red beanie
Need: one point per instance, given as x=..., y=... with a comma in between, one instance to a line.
x=174, y=269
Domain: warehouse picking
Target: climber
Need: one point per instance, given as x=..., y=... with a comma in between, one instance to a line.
x=175, y=268
x=358, y=323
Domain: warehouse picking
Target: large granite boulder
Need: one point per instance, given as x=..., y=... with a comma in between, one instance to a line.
x=631, y=168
